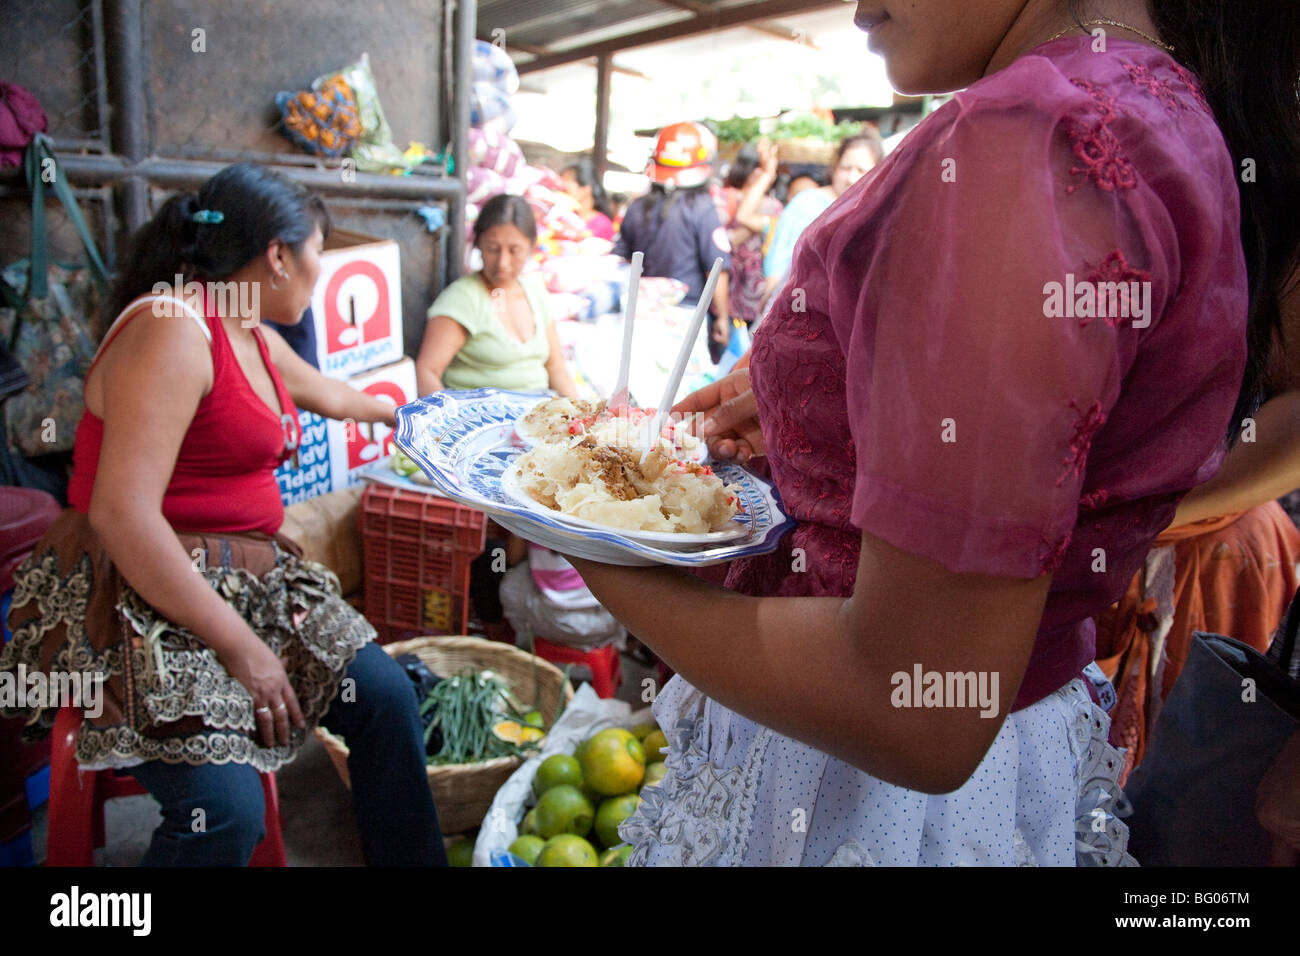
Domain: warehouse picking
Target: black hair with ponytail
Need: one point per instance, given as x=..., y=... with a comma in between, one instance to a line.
x=585, y=173
x=1246, y=55
x=658, y=202
x=252, y=206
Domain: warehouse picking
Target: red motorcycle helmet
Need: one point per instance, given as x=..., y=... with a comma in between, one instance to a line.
x=683, y=155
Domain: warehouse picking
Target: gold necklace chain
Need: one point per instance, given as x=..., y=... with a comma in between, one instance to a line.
x=1106, y=21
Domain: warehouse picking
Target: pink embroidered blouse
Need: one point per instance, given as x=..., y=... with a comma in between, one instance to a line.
x=1015, y=344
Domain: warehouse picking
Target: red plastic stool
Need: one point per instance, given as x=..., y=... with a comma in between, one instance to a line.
x=76, y=814
x=604, y=664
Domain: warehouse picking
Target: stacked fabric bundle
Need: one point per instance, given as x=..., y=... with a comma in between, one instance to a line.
x=569, y=257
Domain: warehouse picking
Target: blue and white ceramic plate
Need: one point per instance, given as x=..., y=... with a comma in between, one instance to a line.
x=464, y=442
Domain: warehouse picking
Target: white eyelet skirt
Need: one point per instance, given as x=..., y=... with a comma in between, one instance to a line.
x=739, y=794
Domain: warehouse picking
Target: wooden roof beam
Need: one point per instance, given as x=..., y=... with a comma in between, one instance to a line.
x=691, y=26
x=771, y=29
x=533, y=50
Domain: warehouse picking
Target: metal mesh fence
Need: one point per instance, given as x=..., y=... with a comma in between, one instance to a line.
x=214, y=70
x=211, y=75
x=51, y=49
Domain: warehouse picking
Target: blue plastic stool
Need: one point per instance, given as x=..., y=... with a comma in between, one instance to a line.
x=38, y=787
x=17, y=852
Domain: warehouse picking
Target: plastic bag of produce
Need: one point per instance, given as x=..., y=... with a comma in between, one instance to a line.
x=375, y=149
x=585, y=715
x=322, y=120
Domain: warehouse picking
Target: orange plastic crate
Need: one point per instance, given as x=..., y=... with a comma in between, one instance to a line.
x=417, y=550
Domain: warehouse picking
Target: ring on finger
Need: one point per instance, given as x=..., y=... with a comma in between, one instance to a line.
x=262, y=710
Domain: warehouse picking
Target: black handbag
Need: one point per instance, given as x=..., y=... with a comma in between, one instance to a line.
x=1228, y=715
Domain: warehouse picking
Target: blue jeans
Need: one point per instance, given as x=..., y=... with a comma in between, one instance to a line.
x=390, y=787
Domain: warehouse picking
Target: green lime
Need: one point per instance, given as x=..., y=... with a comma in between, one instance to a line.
x=564, y=809
x=529, y=823
x=654, y=742
x=616, y=856
x=611, y=813
x=461, y=853
x=527, y=848
x=567, y=850
x=556, y=770
x=654, y=772
x=403, y=465
x=612, y=762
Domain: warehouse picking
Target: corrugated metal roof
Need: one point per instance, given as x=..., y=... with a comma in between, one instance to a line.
x=543, y=28
x=559, y=25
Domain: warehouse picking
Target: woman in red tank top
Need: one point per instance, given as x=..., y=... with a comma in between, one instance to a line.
x=217, y=646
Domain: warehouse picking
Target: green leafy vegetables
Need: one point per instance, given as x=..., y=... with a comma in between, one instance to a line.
x=467, y=708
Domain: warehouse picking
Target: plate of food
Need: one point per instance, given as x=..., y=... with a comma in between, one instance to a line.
x=466, y=441
x=652, y=498
x=566, y=419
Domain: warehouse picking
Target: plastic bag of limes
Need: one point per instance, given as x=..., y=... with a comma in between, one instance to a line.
x=563, y=807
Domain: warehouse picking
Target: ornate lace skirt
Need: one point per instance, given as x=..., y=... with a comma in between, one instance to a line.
x=737, y=794
x=164, y=694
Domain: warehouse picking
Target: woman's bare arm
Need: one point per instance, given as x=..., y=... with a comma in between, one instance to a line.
x=1263, y=465
x=820, y=669
x=443, y=338
x=756, y=187
x=143, y=431
x=720, y=327
x=557, y=370
x=327, y=397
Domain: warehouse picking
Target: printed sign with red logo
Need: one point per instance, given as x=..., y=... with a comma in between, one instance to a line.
x=357, y=304
x=353, y=445
x=307, y=473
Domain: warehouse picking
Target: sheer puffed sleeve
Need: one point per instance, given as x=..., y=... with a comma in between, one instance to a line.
x=979, y=366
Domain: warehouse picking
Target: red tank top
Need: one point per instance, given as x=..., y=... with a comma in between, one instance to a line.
x=224, y=477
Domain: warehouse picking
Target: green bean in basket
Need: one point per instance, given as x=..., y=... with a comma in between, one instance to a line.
x=479, y=719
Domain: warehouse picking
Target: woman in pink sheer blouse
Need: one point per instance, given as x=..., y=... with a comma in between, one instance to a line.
x=1000, y=360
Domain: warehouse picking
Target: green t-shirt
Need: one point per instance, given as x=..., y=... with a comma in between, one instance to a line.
x=490, y=357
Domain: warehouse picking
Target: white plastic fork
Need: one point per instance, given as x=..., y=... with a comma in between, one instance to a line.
x=619, y=396
x=683, y=356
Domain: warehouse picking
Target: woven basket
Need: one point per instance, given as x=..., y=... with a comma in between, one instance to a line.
x=800, y=151
x=463, y=792
x=728, y=151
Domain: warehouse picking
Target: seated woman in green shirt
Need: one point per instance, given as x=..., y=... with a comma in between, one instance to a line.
x=494, y=328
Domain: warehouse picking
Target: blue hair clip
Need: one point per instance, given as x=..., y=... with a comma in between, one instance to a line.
x=209, y=216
